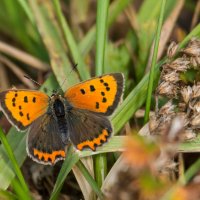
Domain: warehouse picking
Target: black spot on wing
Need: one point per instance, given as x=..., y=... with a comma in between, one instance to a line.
x=21, y=114
x=82, y=91
x=34, y=99
x=97, y=105
x=92, y=88
x=25, y=99
x=103, y=93
x=107, y=88
x=104, y=100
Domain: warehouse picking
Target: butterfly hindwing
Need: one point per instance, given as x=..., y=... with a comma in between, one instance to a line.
x=44, y=143
x=22, y=107
x=101, y=94
x=88, y=129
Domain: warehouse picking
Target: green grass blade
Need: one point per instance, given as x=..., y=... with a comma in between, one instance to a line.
x=153, y=64
x=137, y=96
x=133, y=101
x=115, y=144
x=194, y=33
x=90, y=179
x=100, y=168
x=101, y=33
x=5, y=195
x=71, y=159
x=191, y=172
x=19, y=190
x=82, y=68
x=115, y=9
x=51, y=35
x=13, y=160
x=27, y=10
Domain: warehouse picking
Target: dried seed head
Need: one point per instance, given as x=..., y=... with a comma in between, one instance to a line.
x=195, y=121
x=196, y=91
x=168, y=89
x=176, y=128
x=183, y=117
x=167, y=109
x=180, y=64
x=171, y=77
x=195, y=62
x=153, y=123
x=182, y=107
x=186, y=93
x=172, y=49
x=193, y=48
x=164, y=125
x=196, y=107
x=189, y=134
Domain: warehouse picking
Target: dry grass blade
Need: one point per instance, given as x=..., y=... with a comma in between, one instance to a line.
x=17, y=71
x=132, y=17
x=195, y=18
x=86, y=189
x=4, y=83
x=23, y=57
x=166, y=31
x=112, y=177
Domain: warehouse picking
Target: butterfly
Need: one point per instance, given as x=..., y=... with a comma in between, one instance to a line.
x=79, y=117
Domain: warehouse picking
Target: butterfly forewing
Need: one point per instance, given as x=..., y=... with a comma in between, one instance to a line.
x=22, y=107
x=101, y=94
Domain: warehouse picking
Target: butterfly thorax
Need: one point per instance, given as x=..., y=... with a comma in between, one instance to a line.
x=58, y=110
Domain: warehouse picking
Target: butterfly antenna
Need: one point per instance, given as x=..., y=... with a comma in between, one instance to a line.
x=73, y=68
x=29, y=78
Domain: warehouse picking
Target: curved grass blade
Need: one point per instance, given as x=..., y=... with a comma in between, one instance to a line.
x=51, y=35
x=86, y=188
x=115, y=9
x=14, y=163
x=101, y=33
x=136, y=97
x=154, y=59
x=5, y=195
x=90, y=179
x=71, y=159
x=82, y=68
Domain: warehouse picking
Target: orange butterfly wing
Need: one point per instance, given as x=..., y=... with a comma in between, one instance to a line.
x=101, y=94
x=22, y=107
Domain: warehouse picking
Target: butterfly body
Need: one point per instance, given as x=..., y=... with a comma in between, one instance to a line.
x=79, y=117
x=59, y=108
